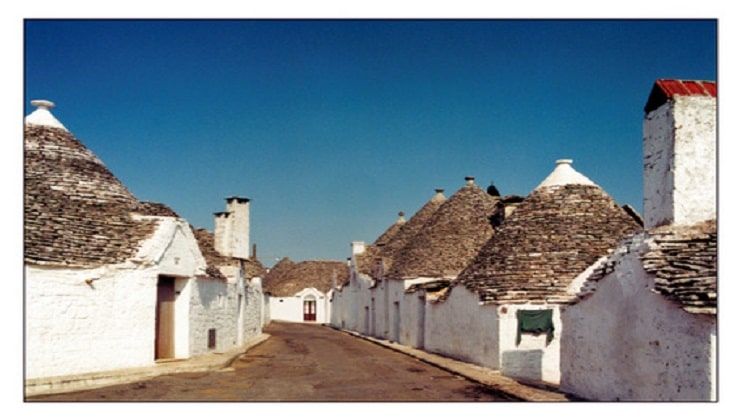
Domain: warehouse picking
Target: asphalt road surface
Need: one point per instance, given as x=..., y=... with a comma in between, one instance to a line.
x=302, y=362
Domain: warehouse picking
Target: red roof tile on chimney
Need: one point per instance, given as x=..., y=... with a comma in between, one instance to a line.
x=665, y=89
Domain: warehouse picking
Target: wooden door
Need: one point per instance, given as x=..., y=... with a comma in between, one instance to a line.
x=164, y=346
x=309, y=310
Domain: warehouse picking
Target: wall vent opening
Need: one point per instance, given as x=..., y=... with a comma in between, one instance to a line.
x=211, y=338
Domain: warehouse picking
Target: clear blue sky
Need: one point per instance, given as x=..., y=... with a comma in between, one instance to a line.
x=331, y=127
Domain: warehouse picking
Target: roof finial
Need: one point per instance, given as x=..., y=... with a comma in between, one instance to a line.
x=564, y=174
x=42, y=116
x=401, y=219
x=469, y=180
x=43, y=104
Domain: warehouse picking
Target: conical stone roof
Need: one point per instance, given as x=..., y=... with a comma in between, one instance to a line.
x=391, y=232
x=450, y=238
x=558, y=231
x=288, y=278
x=76, y=212
x=385, y=248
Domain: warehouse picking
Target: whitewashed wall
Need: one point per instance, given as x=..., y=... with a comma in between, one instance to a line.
x=73, y=327
x=253, y=309
x=679, y=147
x=213, y=305
x=627, y=343
x=413, y=307
x=290, y=308
x=462, y=328
x=532, y=358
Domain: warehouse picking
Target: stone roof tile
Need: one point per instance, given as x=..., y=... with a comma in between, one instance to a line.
x=76, y=212
x=449, y=240
x=553, y=236
x=287, y=278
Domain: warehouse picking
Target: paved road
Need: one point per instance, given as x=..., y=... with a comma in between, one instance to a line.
x=302, y=363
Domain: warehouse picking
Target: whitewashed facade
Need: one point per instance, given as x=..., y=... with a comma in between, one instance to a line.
x=84, y=319
x=626, y=340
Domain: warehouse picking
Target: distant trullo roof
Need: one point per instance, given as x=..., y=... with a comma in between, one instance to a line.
x=77, y=213
x=564, y=226
x=386, y=247
x=288, y=278
x=450, y=238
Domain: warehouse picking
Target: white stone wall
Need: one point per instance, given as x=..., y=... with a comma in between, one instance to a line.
x=462, y=328
x=533, y=358
x=213, y=305
x=413, y=307
x=253, y=309
x=679, y=157
x=73, y=327
x=628, y=343
x=290, y=308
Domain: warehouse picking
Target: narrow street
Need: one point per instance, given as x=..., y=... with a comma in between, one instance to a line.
x=302, y=363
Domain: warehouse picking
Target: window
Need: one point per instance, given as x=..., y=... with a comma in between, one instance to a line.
x=534, y=322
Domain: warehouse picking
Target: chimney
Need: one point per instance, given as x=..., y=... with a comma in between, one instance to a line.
x=358, y=247
x=254, y=252
x=469, y=180
x=679, y=153
x=221, y=233
x=231, y=233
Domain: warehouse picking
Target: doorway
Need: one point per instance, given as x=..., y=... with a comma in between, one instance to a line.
x=164, y=323
x=421, y=319
x=309, y=308
x=396, y=332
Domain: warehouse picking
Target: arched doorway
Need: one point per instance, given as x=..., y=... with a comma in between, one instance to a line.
x=309, y=308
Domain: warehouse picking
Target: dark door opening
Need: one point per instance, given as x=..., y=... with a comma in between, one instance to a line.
x=309, y=310
x=164, y=344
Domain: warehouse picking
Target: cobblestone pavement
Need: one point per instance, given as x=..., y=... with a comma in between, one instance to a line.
x=302, y=363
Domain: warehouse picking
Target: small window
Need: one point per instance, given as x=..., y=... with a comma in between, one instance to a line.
x=281, y=301
x=211, y=338
x=534, y=322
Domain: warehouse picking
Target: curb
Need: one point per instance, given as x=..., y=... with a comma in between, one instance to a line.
x=73, y=383
x=543, y=395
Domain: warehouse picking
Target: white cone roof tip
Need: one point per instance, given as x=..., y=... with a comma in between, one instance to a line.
x=42, y=115
x=564, y=174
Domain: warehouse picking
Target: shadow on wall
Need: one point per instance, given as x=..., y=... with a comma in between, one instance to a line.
x=522, y=364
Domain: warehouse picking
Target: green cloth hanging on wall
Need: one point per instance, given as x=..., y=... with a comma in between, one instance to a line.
x=534, y=322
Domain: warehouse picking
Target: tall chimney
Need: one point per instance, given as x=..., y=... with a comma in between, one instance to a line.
x=221, y=233
x=679, y=153
x=358, y=247
x=254, y=252
x=231, y=233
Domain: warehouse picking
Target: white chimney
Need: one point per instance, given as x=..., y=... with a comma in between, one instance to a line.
x=231, y=233
x=222, y=233
x=238, y=208
x=679, y=153
x=358, y=247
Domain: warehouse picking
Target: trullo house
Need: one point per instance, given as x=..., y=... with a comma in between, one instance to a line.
x=301, y=292
x=644, y=326
x=112, y=282
x=531, y=266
